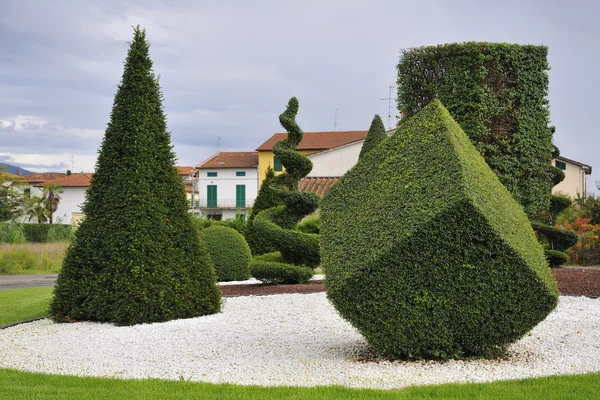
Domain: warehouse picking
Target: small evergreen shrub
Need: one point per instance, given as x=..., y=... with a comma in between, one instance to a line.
x=229, y=252
x=279, y=273
x=426, y=253
x=310, y=224
x=375, y=136
x=556, y=258
x=274, y=256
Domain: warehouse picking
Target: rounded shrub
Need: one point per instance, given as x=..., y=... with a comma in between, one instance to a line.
x=426, y=253
x=229, y=252
x=280, y=273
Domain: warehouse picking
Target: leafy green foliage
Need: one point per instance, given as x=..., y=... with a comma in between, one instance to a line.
x=279, y=273
x=236, y=223
x=11, y=201
x=555, y=240
x=265, y=199
x=136, y=257
x=426, y=253
x=375, y=136
x=498, y=93
x=310, y=224
x=229, y=253
x=556, y=258
x=12, y=233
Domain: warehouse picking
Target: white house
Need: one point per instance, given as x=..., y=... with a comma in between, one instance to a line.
x=228, y=184
x=335, y=161
x=575, y=180
x=71, y=199
x=33, y=185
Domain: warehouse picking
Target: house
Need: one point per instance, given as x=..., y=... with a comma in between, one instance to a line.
x=575, y=181
x=33, y=185
x=189, y=176
x=346, y=143
x=228, y=184
x=69, y=207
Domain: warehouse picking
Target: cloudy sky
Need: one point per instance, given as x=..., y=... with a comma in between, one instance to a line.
x=228, y=68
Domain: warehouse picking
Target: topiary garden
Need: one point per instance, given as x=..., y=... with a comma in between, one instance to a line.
x=426, y=253
x=228, y=251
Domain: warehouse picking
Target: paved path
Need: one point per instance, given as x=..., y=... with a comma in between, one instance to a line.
x=26, y=281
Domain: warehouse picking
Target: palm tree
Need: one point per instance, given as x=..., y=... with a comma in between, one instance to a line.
x=37, y=208
x=51, y=199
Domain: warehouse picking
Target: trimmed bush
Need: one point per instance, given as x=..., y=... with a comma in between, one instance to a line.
x=556, y=258
x=265, y=199
x=229, y=253
x=498, y=93
x=310, y=224
x=136, y=257
x=375, y=136
x=279, y=273
x=426, y=253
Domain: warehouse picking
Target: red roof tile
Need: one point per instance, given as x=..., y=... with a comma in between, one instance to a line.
x=41, y=177
x=317, y=140
x=185, y=170
x=318, y=185
x=73, y=180
x=226, y=159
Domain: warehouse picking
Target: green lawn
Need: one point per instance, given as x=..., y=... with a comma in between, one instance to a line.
x=22, y=385
x=22, y=304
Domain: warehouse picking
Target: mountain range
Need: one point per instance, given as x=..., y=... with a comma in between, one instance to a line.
x=14, y=170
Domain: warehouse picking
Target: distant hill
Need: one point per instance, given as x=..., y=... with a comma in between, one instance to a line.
x=13, y=170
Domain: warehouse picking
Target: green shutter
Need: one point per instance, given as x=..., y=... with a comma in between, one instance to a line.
x=240, y=196
x=278, y=167
x=211, y=196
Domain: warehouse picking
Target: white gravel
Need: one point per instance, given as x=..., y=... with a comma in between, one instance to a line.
x=290, y=339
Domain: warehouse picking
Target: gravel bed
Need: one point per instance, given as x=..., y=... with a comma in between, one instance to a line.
x=290, y=339
x=253, y=281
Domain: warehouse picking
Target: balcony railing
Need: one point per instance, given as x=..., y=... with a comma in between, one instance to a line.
x=223, y=203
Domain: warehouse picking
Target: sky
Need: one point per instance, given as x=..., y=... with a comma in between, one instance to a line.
x=227, y=68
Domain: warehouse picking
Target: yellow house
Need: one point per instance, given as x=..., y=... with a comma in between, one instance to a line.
x=575, y=182
x=312, y=142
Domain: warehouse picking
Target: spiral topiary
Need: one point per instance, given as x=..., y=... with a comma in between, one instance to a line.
x=277, y=224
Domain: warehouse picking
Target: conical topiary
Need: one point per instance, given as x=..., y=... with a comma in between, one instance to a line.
x=426, y=253
x=375, y=136
x=136, y=257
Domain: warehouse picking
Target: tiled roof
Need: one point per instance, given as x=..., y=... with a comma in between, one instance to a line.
x=317, y=140
x=318, y=185
x=185, y=170
x=42, y=177
x=189, y=189
x=73, y=180
x=231, y=159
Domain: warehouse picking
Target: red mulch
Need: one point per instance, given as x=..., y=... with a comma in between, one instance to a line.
x=571, y=281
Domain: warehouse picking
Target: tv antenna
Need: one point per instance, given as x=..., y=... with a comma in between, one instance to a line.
x=389, y=99
x=335, y=118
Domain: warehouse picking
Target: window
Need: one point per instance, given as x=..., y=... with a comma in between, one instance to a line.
x=211, y=196
x=240, y=173
x=560, y=165
x=216, y=217
x=277, y=162
x=211, y=174
x=27, y=193
x=240, y=196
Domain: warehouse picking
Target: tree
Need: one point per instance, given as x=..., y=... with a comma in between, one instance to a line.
x=51, y=199
x=11, y=201
x=375, y=136
x=36, y=208
x=136, y=257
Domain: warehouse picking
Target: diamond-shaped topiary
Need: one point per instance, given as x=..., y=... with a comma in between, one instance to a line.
x=136, y=257
x=425, y=251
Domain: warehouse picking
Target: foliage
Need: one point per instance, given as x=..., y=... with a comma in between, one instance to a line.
x=310, y=224
x=36, y=208
x=375, y=136
x=498, y=93
x=31, y=258
x=426, y=253
x=30, y=385
x=265, y=199
x=274, y=228
x=587, y=249
x=51, y=198
x=11, y=201
x=136, y=257
x=12, y=233
x=236, y=223
x=554, y=239
x=229, y=252
x=280, y=273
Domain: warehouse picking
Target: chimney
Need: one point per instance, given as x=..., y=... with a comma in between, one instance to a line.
x=68, y=172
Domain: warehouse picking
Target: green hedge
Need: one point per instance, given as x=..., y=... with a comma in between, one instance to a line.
x=229, y=252
x=498, y=93
x=426, y=253
x=37, y=233
x=279, y=273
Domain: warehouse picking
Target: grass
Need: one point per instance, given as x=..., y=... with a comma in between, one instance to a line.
x=31, y=258
x=25, y=385
x=23, y=304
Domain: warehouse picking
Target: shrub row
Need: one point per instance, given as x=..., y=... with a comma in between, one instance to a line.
x=279, y=273
x=37, y=233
